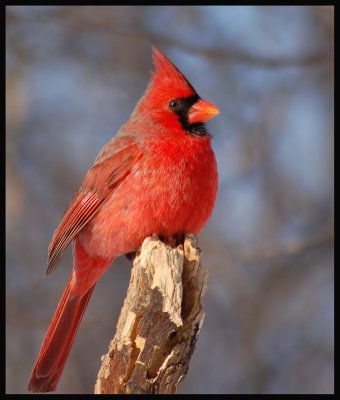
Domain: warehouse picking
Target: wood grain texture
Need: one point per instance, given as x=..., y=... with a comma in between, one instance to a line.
x=160, y=320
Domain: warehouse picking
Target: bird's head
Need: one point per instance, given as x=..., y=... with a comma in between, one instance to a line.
x=171, y=100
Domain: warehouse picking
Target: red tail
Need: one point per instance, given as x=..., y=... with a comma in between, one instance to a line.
x=58, y=340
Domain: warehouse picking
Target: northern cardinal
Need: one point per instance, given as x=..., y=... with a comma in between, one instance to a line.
x=157, y=175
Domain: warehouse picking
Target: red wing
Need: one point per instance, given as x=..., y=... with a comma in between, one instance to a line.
x=77, y=215
x=111, y=167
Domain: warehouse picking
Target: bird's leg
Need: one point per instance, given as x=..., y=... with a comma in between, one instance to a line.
x=131, y=256
x=174, y=240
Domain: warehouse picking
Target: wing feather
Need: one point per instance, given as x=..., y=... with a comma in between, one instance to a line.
x=111, y=167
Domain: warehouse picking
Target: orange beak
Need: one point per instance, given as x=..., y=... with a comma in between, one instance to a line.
x=202, y=111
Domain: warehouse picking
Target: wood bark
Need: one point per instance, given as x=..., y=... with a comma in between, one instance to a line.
x=160, y=320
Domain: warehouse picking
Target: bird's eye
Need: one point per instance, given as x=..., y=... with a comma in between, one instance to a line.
x=174, y=105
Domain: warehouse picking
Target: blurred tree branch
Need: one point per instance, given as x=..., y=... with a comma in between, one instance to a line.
x=159, y=322
x=290, y=248
x=86, y=21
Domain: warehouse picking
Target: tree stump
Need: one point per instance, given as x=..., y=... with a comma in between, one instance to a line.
x=160, y=320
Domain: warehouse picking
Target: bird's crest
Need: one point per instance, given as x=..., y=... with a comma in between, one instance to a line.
x=166, y=73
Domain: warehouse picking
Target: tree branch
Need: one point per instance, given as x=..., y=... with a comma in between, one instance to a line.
x=159, y=323
x=291, y=248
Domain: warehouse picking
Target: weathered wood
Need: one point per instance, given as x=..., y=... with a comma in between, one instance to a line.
x=159, y=323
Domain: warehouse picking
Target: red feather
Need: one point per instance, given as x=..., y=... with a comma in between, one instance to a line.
x=95, y=189
x=155, y=176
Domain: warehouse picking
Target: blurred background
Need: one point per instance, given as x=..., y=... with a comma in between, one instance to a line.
x=73, y=76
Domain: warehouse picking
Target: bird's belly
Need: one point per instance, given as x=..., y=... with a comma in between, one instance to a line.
x=158, y=201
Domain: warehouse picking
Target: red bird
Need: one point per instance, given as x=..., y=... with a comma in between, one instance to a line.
x=158, y=175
